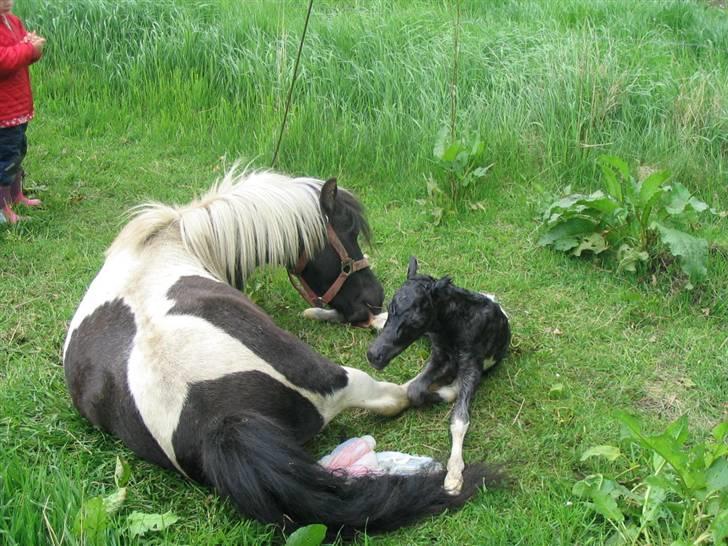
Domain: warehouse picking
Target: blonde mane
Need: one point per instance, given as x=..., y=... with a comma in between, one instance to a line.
x=246, y=220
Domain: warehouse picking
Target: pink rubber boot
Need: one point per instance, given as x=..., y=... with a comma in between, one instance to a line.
x=7, y=198
x=17, y=191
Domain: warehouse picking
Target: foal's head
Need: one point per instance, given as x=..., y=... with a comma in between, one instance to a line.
x=360, y=295
x=410, y=315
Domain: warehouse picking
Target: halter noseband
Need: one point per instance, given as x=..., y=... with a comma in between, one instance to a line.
x=348, y=266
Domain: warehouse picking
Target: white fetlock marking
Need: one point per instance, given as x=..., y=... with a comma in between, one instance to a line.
x=324, y=315
x=363, y=391
x=455, y=465
x=449, y=393
x=378, y=321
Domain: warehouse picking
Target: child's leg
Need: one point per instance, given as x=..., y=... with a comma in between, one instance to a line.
x=20, y=175
x=20, y=196
x=10, y=152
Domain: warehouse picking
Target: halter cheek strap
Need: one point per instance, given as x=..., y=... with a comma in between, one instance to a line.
x=348, y=266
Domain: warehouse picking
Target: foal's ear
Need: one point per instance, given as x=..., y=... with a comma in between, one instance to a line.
x=412, y=267
x=441, y=284
x=328, y=196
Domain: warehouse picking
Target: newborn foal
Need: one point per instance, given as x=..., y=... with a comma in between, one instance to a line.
x=468, y=332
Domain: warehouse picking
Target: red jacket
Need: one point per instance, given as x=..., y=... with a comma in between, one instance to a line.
x=16, y=99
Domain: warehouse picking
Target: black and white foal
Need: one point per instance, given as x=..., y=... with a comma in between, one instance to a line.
x=469, y=333
x=167, y=354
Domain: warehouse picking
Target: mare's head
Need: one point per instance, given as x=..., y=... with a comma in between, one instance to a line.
x=339, y=274
x=410, y=315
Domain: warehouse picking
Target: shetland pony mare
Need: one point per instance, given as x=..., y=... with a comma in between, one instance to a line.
x=167, y=354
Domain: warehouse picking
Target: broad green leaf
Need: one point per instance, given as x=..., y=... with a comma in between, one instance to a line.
x=719, y=527
x=557, y=391
x=651, y=185
x=603, y=494
x=609, y=452
x=451, y=152
x=597, y=200
x=113, y=502
x=602, y=203
x=461, y=159
x=715, y=452
x=593, y=243
x=693, y=251
x=678, y=429
x=612, y=184
x=717, y=475
x=628, y=257
x=139, y=523
x=440, y=142
x=567, y=229
x=122, y=473
x=680, y=198
x=311, y=535
x=91, y=521
x=664, y=481
x=615, y=163
x=720, y=431
x=668, y=447
x=564, y=245
x=477, y=148
x=611, y=166
x=652, y=504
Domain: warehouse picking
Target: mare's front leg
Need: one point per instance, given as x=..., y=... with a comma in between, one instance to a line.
x=363, y=391
x=439, y=365
x=468, y=380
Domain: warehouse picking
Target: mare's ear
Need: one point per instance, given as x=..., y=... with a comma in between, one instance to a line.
x=441, y=284
x=328, y=197
x=412, y=267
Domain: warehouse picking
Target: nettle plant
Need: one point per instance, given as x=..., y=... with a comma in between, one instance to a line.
x=461, y=162
x=641, y=222
x=674, y=490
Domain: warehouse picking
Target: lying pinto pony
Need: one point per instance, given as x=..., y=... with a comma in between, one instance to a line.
x=166, y=353
x=469, y=333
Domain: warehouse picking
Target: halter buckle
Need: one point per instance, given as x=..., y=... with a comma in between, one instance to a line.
x=347, y=267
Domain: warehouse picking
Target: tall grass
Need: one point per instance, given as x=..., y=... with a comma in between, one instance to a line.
x=546, y=83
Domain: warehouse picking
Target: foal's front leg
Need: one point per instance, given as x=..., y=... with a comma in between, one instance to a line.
x=468, y=380
x=418, y=388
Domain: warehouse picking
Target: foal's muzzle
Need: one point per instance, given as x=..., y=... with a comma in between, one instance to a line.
x=376, y=359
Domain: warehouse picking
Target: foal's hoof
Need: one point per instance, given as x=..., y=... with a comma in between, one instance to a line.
x=453, y=484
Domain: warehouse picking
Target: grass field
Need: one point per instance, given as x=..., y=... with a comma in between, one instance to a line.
x=142, y=99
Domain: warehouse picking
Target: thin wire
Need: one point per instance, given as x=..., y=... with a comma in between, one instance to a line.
x=293, y=82
x=454, y=83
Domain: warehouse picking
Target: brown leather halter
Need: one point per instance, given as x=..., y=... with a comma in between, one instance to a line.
x=348, y=266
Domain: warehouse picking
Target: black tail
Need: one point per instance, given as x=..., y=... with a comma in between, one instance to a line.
x=271, y=478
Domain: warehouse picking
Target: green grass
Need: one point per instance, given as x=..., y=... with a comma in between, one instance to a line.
x=142, y=99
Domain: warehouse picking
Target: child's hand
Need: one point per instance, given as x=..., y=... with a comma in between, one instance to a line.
x=36, y=41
